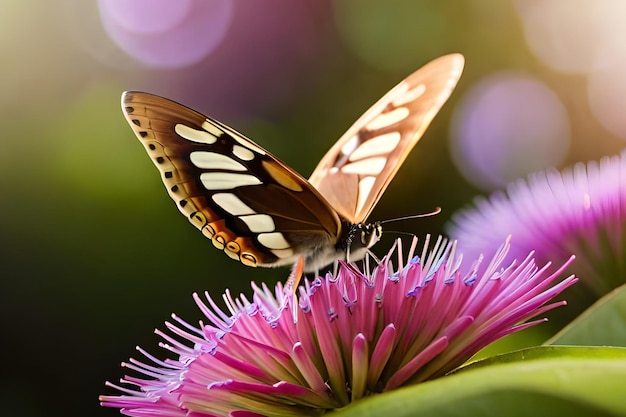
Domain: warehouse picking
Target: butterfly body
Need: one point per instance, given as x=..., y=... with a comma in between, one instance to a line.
x=260, y=211
x=352, y=244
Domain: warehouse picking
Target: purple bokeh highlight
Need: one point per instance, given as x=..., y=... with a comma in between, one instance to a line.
x=508, y=125
x=265, y=61
x=166, y=34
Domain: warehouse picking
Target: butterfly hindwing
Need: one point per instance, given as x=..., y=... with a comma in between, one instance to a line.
x=250, y=204
x=355, y=172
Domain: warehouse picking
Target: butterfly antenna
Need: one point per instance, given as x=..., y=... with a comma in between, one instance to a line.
x=413, y=216
x=401, y=232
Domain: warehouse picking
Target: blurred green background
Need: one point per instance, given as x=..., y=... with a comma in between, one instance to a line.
x=94, y=254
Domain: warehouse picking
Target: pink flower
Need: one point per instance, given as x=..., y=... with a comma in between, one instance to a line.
x=343, y=337
x=580, y=211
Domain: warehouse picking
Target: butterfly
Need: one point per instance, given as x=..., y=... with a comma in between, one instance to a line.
x=260, y=211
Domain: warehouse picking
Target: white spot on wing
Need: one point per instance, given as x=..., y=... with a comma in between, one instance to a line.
x=210, y=127
x=410, y=95
x=227, y=180
x=369, y=166
x=243, y=153
x=274, y=240
x=388, y=118
x=365, y=187
x=379, y=145
x=232, y=204
x=350, y=146
x=195, y=135
x=248, y=144
x=259, y=223
x=212, y=160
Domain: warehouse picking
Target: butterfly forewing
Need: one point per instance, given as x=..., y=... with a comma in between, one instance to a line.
x=356, y=171
x=250, y=204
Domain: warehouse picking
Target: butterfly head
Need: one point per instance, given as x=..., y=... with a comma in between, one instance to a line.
x=360, y=237
x=369, y=233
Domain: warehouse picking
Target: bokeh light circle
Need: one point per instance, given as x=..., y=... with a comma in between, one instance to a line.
x=607, y=90
x=566, y=36
x=560, y=34
x=166, y=34
x=146, y=16
x=508, y=125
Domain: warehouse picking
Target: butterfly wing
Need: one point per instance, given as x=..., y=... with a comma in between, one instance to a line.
x=355, y=172
x=250, y=204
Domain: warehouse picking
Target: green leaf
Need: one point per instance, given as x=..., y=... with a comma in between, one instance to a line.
x=545, y=381
x=549, y=352
x=603, y=324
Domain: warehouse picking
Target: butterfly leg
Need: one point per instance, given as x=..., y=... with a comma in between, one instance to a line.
x=295, y=276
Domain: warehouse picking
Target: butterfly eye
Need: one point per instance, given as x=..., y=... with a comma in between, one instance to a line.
x=378, y=230
x=370, y=234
